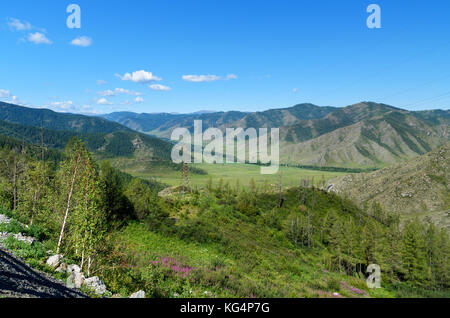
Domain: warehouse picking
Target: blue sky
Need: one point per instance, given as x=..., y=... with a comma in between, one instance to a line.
x=222, y=55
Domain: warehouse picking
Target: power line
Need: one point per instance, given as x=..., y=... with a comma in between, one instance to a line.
x=434, y=98
x=413, y=88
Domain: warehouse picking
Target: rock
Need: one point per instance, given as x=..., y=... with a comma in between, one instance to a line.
x=53, y=261
x=170, y=192
x=139, y=294
x=73, y=269
x=96, y=285
x=4, y=219
x=62, y=268
x=4, y=236
x=76, y=279
x=26, y=239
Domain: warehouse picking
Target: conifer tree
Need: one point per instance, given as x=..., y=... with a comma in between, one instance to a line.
x=414, y=254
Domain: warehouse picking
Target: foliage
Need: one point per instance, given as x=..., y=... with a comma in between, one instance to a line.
x=221, y=241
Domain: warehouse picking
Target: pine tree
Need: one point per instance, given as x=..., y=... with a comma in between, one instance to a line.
x=337, y=242
x=414, y=254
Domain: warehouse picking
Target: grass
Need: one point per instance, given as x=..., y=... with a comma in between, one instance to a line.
x=291, y=176
x=231, y=255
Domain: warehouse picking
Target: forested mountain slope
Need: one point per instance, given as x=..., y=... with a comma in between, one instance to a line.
x=56, y=121
x=115, y=144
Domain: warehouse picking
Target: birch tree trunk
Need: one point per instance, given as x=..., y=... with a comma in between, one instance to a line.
x=15, y=184
x=69, y=199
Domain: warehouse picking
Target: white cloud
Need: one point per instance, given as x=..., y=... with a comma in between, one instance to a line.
x=138, y=100
x=139, y=77
x=17, y=25
x=201, y=78
x=103, y=101
x=159, y=87
x=108, y=92
x=38, y=38
x=15, y=100
x=64, y=106
x=208, y=78
x=295, y=90
x=69, y=106
x=82, y=41
x=101, y=82
x=126, y=92
x=4, y=93
x=118, y=91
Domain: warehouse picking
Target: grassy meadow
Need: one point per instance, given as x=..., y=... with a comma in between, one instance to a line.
x=230, y=173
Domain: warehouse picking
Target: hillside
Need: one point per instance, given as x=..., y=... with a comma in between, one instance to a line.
x=366, y=134
x=380, y=140
x=420, y=187
x=221, y=240
x=22, y=281
x=56, y=121
x=163, y=124
x=114, y=144
x=104, y=138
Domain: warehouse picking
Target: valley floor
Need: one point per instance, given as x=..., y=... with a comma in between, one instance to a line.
x=230, y=173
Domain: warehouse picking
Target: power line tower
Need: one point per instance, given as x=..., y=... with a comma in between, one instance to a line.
x=43, y=148
x=185, y=182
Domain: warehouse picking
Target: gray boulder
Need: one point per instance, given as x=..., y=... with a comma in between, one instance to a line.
x=62, y=268
x=4, y=219
x=26, y=239
x=53, y=261
x=75, y=280
x=73, y=269
x=96, y=285
x=139, y=294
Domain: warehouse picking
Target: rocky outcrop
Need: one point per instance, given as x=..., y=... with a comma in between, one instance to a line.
x=139, y=294
x=419, y=187
x=96, y=285
x=53, y=261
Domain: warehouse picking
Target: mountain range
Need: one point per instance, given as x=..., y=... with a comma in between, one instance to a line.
x=363, y=135
x=366, y=134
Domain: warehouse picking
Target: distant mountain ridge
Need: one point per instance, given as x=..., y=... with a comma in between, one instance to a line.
x=365, y=134
x=162, y=124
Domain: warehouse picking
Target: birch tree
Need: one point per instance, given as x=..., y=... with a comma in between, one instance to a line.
x=70, y=174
